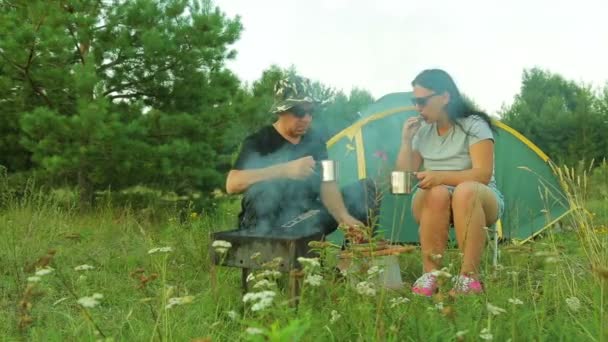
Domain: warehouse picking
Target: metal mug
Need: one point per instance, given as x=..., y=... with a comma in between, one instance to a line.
x=402, y=182
x=329, y=170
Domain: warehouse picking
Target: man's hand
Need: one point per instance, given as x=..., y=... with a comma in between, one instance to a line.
x=300, y=168
x=351, y=222
x=428, y=179
x=353, y=229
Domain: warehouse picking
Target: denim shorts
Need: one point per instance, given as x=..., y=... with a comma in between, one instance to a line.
x=500, y=199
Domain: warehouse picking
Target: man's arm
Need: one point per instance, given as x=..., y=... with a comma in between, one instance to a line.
x=240, y=180
x=249, y=168
x=333, y=201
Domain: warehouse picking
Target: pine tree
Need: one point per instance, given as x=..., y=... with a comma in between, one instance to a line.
x=117, y=93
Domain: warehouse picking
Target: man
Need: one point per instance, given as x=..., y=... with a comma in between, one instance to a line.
x=278, y=170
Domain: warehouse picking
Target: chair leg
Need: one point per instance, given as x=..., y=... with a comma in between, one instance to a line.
x=495, y=249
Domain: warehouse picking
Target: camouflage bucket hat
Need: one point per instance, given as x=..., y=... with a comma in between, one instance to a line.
x=290, y=92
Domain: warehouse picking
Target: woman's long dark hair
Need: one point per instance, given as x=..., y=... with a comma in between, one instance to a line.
x=440, y=81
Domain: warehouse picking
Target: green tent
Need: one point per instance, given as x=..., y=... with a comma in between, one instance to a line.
x=534, y=199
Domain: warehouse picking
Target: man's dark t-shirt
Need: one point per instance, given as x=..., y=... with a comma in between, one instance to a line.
x=275, y=202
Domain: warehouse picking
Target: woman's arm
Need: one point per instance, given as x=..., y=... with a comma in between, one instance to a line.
x=408, y=159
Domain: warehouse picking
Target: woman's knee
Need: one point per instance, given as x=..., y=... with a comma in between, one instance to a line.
x=465, y=194
x=468, y=194
x=437, y=198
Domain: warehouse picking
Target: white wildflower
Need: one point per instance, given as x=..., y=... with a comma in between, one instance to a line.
x=366, y=288
x=254, y=331
x=442, y=273
x=495, y=310
x=261, y=300
x=486, y=335
x=233, y=315
x=269, y=274
x=90, y=302
x=174, y=301
x=261, y=305
x=573, y=303
x=263, y=283
x=374, y=270
x=84, y=267
x=462, y=333
x=44, y=271
x=436, y=257
x=439, y=306
x=221, y=243
x=255, y=255
x=335, y=316
x=313, y=280
x=160, y=250
x=250, y=277
x=221, y=246
x=398, y=301
x=515, y=301
x=309, y=262
x=33, y=279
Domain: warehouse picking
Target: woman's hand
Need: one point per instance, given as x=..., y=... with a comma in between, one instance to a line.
x=410, y=127
x=428, y=179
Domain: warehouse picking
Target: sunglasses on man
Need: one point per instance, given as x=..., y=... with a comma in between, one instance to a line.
x=422, y=101
x=302, y=111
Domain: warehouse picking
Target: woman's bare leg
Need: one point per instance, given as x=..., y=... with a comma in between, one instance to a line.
x=432, y=211
x=474, y=207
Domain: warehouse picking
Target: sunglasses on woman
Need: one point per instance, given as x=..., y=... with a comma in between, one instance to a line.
x=301, y=111
x=422, y=101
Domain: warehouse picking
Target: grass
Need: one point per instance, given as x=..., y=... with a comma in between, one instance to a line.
x=545, y=275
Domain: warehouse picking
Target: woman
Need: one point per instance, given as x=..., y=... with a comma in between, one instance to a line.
x=455, y=145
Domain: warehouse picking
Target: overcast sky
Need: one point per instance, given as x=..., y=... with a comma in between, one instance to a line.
x=380, y=45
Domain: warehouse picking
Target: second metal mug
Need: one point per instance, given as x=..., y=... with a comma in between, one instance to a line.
x=402, y=182
x=329, y=170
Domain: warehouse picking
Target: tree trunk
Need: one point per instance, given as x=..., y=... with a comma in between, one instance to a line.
x=85, y=190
